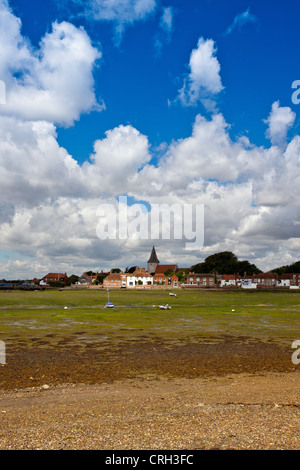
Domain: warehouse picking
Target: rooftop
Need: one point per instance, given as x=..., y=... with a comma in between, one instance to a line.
x=153, y=257
x=162, y=268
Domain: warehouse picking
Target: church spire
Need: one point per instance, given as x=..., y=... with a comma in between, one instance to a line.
x=153, y=262
x=153, y=257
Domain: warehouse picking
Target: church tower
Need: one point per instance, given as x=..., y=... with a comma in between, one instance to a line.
x=152, y=262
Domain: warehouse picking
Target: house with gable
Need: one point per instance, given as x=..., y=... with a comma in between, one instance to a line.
x=140, y=277
x=115, y=280
x=291, y=280
x=265, y=280
x=229, y=280
x=54, y=277
x=160, y=279
x=200, y=280
x=87, y=278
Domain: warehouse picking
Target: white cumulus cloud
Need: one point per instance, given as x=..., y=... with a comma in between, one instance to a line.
x=280, y=120
x=53, y=83
x=203, y=82
x=49, y=202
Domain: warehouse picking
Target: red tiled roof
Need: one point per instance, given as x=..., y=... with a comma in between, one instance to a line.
x=266, y=275
x=114, y=277
x=200, y=275
x=162, y=268
x=228, y=277
x=288, y=275
x=139, y=272
x=56, y=276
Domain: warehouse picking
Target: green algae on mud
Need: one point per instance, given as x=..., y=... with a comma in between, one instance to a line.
x=194, y=312
x=205, y=332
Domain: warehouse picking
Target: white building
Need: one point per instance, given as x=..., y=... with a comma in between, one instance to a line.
x=140, y=277
x=248, y=284
x=228, y=280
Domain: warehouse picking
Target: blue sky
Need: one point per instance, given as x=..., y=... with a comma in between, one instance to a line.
x=258, y=61
x=176, y=86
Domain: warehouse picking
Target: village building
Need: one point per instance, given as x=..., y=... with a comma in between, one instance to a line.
x=265, y=280
x=115, y=280
x=248, y=283
x=163, y=280
x=140, y=277
x=229, y=280
x=163, y=268
x=160, y=279
x=86, y=278
x=200, y=280
x=54, y=277
x=285, y=280
x=289, y=280
x=173, y=281
x=154, y=266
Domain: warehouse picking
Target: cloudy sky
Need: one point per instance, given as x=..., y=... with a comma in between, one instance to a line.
x=160, y=101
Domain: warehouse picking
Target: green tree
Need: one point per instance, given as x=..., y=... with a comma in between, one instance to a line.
x=56, y=284
x=72, y=279
x=91, y=273
x=169, y=273
x=100, y=278
x=290, y=268
x=181, y=274
x=130, y=270
x=225, y=262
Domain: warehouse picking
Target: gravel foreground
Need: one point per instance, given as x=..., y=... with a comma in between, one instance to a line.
x=237, y=411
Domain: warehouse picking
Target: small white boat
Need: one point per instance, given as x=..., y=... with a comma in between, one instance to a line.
x=164, y=307
x=108, y=303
